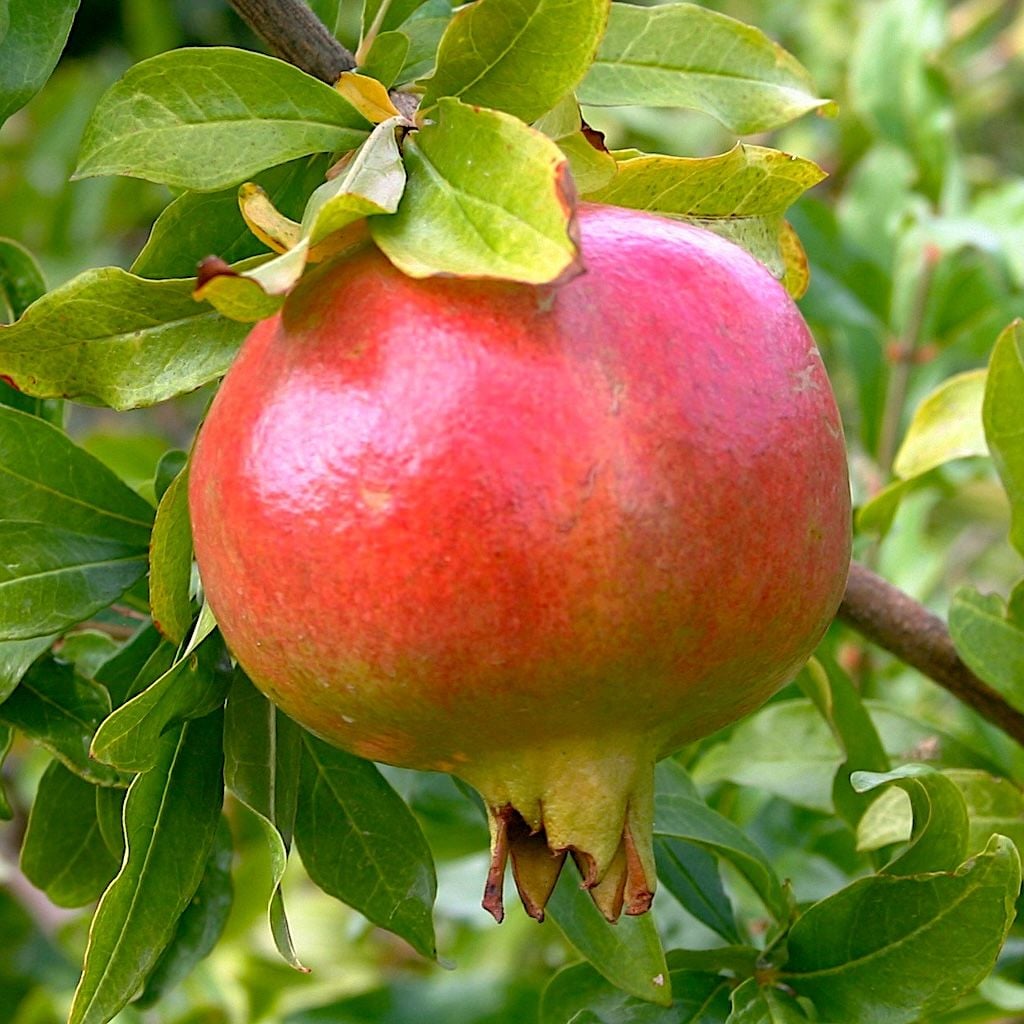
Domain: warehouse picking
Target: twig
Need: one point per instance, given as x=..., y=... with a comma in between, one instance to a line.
x=298, y=35
x=905, y=355
x=896, y=622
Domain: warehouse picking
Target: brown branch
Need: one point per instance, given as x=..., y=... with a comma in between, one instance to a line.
x=896, y=622
x=297, y=35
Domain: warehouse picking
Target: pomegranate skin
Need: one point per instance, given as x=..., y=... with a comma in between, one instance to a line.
x=537, y=537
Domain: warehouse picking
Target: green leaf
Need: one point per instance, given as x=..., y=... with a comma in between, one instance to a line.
x=171, y=818
x=592, y=166
x=112, y=338
x=200, y=224
x=1003, y=416
x=681, y=55
x=36, y=31
x=784, y=748
x=262, y=754
x=50, y=410
x=839, y=703
x=170, y=562
x=869, y=953
x=907, y=730
x=209, y=117
x=16, y=656
x=990, y=641
x=697, y=998
x=741, y=194
x=386, y=57
x=947, y=425
x=59, y=709
x=371, y=184
x=788, y=749
x=46, y=478
x=877, y=513
x=938, y=841
x=681, y=817
x=486, y=197
x=243, y=298
x=129, y=739
x=888, y=820
x=385, y=15
x=328, y=11
x=171, y=463
x=689, y=872
x=994, y=805
x=51, y=578
x=200, y=925
x=628, y=954
x=109, y=817
x=119, y=672
x=519, y=56
x=63, y=852
x=21, y=280
x=691, y=875
x=752, y=1004
x=87, y=650
x=425, y=32
x=360, y=843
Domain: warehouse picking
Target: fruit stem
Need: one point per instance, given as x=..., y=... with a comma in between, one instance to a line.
x=298, y=35
x=592, y=800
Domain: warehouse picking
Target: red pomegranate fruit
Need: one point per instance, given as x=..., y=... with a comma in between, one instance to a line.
x=538, y=537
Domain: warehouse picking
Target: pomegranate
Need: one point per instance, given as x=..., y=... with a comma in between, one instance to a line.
x=538, y=537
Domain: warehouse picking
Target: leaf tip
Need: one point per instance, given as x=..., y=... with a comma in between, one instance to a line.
x=207, y=270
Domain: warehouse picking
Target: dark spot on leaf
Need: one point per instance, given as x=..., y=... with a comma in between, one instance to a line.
x=211, y=267
x=593, y=136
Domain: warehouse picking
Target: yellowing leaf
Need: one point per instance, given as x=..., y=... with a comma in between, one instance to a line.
x=265, y=221
x=371, y=182
x=741, y=194
x=367, y=95
x=797, y=273
x=233, y=294
x=747, y=181
x=946, y=425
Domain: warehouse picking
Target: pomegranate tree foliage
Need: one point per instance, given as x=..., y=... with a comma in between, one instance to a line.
x=848, y=853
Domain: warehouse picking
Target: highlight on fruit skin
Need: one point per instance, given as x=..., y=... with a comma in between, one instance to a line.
x=538, y=537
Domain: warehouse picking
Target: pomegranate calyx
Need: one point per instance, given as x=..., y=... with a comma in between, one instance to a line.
x=596, y=807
